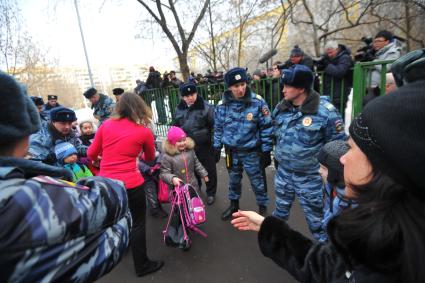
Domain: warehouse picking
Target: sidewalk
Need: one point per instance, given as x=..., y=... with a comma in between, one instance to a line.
x=226, y=256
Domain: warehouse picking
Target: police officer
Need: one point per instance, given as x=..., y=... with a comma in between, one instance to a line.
x=303, y=123
x=103, y=105
x=117, y=93
x=52, y=231
x=42, y=143
x=39, y=103
x=52, y=102
x=196, y=117
x=243, y=125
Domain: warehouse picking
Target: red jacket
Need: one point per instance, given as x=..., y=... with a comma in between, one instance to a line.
x=120, y=143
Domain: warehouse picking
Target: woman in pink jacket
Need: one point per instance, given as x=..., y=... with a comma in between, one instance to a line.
x=120, y=141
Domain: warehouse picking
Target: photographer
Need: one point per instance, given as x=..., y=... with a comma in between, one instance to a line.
x=336, y=65
x=386, y=49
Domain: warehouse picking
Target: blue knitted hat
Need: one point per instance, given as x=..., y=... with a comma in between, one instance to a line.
x=63, y=150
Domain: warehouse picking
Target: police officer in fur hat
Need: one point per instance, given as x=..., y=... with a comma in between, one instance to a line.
x=42, y=143
x=243, y=126
x=52, y=102
x=48, y=223
x=103, y=105
x=196, y=117
x=304, y=121
x=39, y=103
x=117, y=93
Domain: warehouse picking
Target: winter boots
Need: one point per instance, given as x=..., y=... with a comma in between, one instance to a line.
x=227, y=214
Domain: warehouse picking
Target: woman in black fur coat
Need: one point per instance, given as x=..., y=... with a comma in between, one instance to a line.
x=383, y=238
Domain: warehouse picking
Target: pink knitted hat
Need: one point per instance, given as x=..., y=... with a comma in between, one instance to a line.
x=175, y=134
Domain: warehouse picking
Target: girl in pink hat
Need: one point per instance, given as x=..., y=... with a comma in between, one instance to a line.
x=179, y=163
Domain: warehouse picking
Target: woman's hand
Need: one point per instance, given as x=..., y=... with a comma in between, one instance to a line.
x=247, y=220
x=176, y=181
x=206, y=179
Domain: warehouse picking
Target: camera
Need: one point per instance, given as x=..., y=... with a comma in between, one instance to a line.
x=321, y=62
x=365, y=53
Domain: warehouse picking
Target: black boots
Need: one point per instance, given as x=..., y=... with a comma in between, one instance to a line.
x=149, y=267
x=227, y=214
x=262, y=210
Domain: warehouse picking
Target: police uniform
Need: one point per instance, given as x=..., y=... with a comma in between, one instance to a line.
x=48, y=224
x=42, y=143
x=300, y=132
x=244, y=127
x=103, y=108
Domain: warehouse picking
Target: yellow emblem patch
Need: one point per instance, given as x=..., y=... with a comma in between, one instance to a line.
x=249, y=116
x=307, y=121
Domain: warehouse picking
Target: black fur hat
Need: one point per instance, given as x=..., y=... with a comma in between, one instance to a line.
x=18, y=116
x=118, y=91
x=90, y=92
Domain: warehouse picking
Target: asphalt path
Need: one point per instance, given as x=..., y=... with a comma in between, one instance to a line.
x=227, y=255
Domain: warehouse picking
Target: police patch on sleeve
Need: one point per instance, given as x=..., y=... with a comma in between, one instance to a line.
x=265, y=111
x=339, y=126
x=249, y=116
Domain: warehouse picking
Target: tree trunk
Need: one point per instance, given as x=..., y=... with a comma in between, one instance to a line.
x=184, y=67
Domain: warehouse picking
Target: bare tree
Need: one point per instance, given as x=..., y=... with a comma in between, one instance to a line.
x=404, y=16
x=180, y=40
x=335, y=17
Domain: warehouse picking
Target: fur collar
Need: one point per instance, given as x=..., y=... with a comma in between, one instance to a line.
x=198, y=105
x=309, y=106
x=170, y=149
x=29, y=168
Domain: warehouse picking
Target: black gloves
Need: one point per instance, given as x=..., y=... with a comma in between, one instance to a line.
x=322, y=63
x=217, y=154
x=266, y=159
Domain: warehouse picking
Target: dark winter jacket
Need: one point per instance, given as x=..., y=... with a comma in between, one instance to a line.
x=173, y=164
x=197, y=120
x=338, y=71
x=310, y=261
x=154, y=80
x=306, y=61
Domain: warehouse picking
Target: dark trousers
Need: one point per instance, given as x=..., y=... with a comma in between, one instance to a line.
x=206, y=156
x=137, y=204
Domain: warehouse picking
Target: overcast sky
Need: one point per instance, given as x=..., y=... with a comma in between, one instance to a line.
x=110, y=28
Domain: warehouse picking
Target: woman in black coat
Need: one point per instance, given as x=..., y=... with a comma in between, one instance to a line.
x=383, y=238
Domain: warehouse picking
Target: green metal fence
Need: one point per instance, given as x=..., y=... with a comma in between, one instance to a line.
x=163, y=101
x=362, y=79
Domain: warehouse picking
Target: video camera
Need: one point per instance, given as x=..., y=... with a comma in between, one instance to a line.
x=365, y=53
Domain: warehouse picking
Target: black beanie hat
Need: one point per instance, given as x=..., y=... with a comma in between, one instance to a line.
x=329, y=156
x=90, y=92
x=118, y=91
x=297, y=51
x=18, y=116
x=391, y=133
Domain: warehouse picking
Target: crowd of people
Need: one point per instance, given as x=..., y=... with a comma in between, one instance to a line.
x=74, y=195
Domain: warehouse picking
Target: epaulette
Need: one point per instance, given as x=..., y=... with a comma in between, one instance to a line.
x=220, y=102
x=259, y=97
x=329, y=106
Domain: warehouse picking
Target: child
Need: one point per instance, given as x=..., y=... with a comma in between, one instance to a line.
x=66, y=156
x=332, y=172
x=178, y=166
x=179, y=162
x=87, y=132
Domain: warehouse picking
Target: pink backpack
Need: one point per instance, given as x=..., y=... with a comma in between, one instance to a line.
x=197, y=210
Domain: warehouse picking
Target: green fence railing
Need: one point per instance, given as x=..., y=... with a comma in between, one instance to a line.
x=163, y=101
x=362, y=81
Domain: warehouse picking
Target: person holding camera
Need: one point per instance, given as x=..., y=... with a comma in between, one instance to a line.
x=385, y=49
x=243, y=124
x=336, y=66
